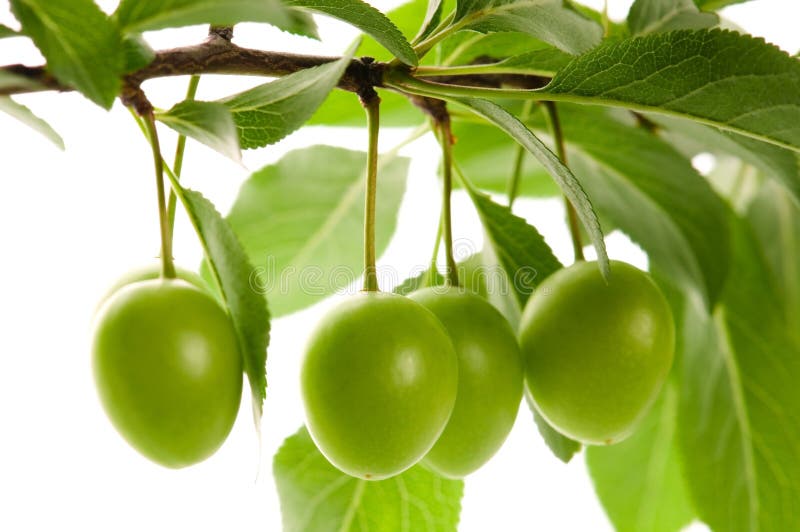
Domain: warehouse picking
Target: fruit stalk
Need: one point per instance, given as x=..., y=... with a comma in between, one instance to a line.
x=167, y=266
x=561, y=152
x=177, y=165
x=371, y=103
x=446, y=141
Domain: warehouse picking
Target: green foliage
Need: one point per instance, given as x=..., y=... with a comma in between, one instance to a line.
x=561, y=174
x=639, y=481
x=26, y=116
x=138, y=53
x=207, y=122
x=232, y=272
x=81, y=44
x=678, y=219
x=142, y=15
x=317, y=497
x=739, y=404
x=721, y=78
x=548, y=20
x=366, y=18
x=302, y=217
x=267, y=113
x=521, y=250
x=5, y=31
x=717, y=4
x=654, y=16
x=563, y=447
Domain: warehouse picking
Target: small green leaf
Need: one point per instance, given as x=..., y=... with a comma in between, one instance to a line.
x=24, y=115
x=520, y=249
x=561, y=174
x=317, y=497
x=5, y=31
x=232, y=272
x=343, y=109
x=655, y=16
x=366, y=18
x=429, y=277
x=267, y=113
x=142, y=15
x=207, y=122
x=721, y=78
x=548, y=20
x=301, y=222
x=82, y=46
x=433, y=15
x=300, y=23
x=138, y=54
x=545, y=62
x=561, y=446
x=639, y=481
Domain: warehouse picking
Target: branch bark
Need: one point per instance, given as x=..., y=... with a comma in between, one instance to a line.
x=218, y=55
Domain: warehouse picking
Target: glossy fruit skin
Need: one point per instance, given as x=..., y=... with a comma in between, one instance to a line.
x=489, y=380
x=149, y=272
x=168, y=370
x=379, y=381
x=596, y=354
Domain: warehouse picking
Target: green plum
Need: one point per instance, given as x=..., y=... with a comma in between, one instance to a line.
x=596, y=353
x=489, y=380
x=168, y=370
x=379, y=381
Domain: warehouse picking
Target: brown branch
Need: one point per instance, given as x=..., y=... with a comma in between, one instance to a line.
x=218, y=55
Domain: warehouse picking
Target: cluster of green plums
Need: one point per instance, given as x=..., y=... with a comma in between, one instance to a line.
x=387, y=380
x=167, y=366
x=437, y=377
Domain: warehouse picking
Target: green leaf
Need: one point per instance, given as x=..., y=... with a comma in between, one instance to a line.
x=466, y=47
x=207, y=122
x=142, y=15
x=433, y=15
x=430, y=277
x=639, y=481
x=561, y=446
x=548, y=20
x=82, y=46
x=487, y=155
x=739, y=408
x=366, y=18
x=301, y=222
x=777, y=163
x=655, y=16
x=520, y=249
x=317, y=497
x=138, y=53
x=24, y=115
x=721, y=78
x=232, y=272
x=561, y=174
x=267, y=113
x=5, y=31
x=717, y=4
x=545, y=62
x=653, y=194
x=300, y=23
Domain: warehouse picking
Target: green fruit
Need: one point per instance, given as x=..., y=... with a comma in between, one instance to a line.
x=168, y=370
x=153, y=271
x=379, y=381
x=489, y=380
x=596, y=353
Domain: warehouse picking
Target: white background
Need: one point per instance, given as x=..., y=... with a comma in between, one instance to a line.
x=72, y=222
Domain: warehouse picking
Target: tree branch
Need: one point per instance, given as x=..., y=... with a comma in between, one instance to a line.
x=218, y=55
